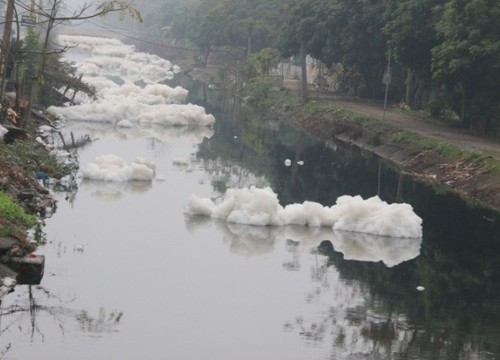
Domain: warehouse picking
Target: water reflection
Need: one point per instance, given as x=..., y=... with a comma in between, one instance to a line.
x=453, y=317
x=28, y=316
x=366, y=247
x=114, y=191
x=102, y=324
x=339, y=310
x=162, y=133
x=366, y=288
x=250, y=240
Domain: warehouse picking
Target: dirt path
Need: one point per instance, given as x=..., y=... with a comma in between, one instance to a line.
x=455, y=136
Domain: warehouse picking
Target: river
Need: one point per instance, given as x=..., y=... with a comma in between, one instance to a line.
x=130, y=275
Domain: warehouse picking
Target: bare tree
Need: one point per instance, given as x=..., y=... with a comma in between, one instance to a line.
x=51, y=17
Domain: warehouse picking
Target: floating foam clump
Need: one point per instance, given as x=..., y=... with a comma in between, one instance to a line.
x=112, y=57
x=129, y=86
x=182, y=115
x=114, y=168
x=251, y=206
x=309, y=213
x=176, y=114
x=200, y=206
x=375, y=216
x=254, y=206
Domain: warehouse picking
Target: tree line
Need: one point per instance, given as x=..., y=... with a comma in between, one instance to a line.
x=443, y=55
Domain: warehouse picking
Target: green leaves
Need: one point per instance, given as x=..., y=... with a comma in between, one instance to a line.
x=125, y=8
x=452, y=46
x=240, y=24
x=467, y=57
x=410, y=29
x=13, y=213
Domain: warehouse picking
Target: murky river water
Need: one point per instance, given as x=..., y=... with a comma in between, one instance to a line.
x=129, y=276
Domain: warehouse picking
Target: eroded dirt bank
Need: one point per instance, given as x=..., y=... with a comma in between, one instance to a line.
x=19, y=165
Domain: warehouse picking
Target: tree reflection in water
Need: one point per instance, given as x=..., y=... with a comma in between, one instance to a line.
x=375, y=312
x=104, y=323
x=27, y=310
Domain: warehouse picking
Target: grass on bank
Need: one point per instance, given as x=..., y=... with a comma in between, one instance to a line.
x=14, y=215
x=29, y=157
x=32, y=157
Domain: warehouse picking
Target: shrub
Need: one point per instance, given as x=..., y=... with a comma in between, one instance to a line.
x=14, y=213
x=258, y=90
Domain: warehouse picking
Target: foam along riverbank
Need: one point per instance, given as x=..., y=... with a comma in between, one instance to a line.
x=129, y=86
x=260, y=207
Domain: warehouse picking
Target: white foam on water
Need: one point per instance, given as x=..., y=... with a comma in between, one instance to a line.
x=118, y=73
x=114, y=168
x=260, y=206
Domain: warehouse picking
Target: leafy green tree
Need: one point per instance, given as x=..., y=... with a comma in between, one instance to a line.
x=252, y=25
x=28, y=58
x=412, y=35
x=267, y=59
x=198, y=22
x=467, y=59
x=169, y=17
x=340, y=31
x=255, y=73
x=356, y=40
x=410, y=29
x=299, y=34
x=299, y=29
x=246, y=26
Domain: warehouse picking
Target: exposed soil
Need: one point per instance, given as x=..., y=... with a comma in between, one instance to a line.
x=25, y=189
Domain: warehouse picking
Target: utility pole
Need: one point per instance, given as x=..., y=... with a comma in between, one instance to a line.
x=7, y=31
x=303, y=78
x=387, y=81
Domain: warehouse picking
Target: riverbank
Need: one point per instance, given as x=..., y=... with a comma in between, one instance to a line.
x=434, y=152
x=25, y=165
